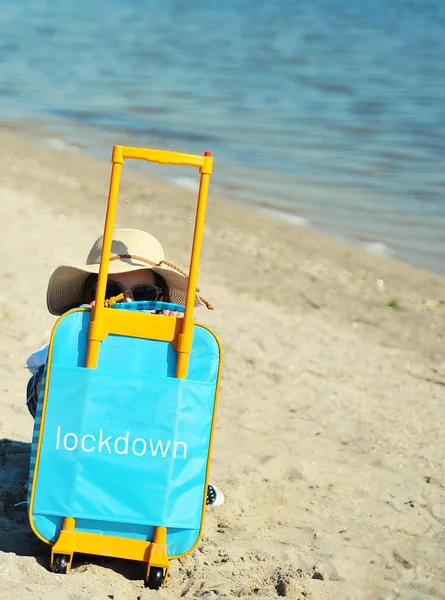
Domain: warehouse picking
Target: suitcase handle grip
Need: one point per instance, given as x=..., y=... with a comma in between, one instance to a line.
x=165, y=157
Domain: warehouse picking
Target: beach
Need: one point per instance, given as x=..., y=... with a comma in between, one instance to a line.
x=329, y=434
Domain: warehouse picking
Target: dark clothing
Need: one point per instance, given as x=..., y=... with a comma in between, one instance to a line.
x=31, y=390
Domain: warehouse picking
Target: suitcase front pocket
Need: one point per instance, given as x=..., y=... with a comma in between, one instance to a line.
x=121, y=449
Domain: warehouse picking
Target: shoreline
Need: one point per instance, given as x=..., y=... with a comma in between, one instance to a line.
x=16, y=132
x=328, y=440
x=35, y=129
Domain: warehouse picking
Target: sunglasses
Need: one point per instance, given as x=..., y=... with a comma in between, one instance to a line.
x=139, y=293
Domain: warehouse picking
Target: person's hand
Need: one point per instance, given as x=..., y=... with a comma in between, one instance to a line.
x=172, y=313
x=166, y=313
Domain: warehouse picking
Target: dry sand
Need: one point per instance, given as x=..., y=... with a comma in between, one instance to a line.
x=328, y=443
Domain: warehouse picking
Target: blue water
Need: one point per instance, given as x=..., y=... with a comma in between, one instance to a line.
x=329, y=114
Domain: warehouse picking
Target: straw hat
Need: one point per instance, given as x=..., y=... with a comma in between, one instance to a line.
x=131, y=249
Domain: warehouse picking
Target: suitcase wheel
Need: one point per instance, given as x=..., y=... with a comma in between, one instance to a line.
x=60, y=563
x=155, y=578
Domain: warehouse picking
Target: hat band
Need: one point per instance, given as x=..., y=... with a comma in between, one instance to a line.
x=133, y=257
x=149, y=262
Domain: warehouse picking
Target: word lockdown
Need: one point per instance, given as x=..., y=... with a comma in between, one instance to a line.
x=119, y=445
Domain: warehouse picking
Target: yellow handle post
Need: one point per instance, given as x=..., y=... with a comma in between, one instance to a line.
x=93, y=338
x=185, y=338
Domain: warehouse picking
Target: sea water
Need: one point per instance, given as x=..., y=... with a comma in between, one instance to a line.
x=329, y=114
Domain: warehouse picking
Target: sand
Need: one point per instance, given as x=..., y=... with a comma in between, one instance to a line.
x=328, y=443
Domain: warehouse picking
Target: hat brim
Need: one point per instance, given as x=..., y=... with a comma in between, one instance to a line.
x=66, y=285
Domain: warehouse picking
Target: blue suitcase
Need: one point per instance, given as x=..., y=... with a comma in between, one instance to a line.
x=123, y=431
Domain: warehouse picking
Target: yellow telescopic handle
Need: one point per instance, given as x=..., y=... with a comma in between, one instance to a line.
x=120, y=153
